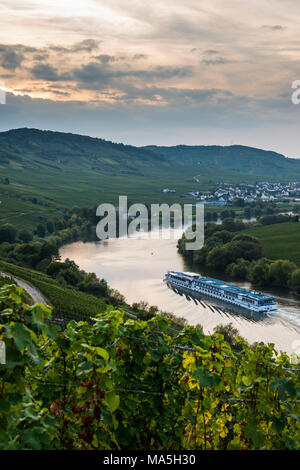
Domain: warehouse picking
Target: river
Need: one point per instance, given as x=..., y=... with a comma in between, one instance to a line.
x=136, y=267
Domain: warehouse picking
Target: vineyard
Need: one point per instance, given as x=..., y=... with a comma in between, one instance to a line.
x=68, y=303
x=119, y=383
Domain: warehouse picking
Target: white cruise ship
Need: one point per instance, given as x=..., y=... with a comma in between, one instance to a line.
x=244, y=298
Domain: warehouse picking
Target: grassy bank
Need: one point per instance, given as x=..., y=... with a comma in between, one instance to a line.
x=279, y=241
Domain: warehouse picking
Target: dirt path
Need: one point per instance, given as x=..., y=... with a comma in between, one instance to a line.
x=35, y=293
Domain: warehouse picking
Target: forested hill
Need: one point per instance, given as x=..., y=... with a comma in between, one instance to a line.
x=24, y=145
x=235, y=157
x=33, y=148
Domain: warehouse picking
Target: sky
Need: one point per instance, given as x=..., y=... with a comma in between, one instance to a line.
x=165, y=72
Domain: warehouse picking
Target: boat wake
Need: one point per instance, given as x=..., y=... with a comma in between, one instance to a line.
x=290, y=317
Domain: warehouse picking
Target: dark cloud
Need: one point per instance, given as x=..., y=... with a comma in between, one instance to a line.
x=174, y=96
x=49, y=73
x=12, y=56
x=41, y=57
x=60, y=93
x=11, y=60
x=87, y=45
x=7, y=75
x=140, y=56
x=105, y=58
x=159, y=72
x=211, y=52
x=216, y=61
x=94, y=73
x=103, y=74
x=276, y=27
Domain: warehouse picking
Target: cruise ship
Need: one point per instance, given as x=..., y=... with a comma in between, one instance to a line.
x=192, y=283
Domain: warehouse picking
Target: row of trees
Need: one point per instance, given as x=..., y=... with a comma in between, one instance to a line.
x=264, y=272
x=258, y=209
x=278, y=219
x=69, y=274
x=36, y=249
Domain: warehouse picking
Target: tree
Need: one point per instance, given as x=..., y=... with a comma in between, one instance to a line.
x=41, y=231
x=228, y=224
x=257, y=211
x=8, y=233
x=25, y=236
x=295, y=281
x=217, y=258
x=231, y=225
x=239, y=202
x=239, y=270
x=50, y=226
x=223, y=235
x=246, y=238
x=247, y=249
x=48, y=250
x=247, y=212
x=259, y=272
x=280, y=272
x=229, y=333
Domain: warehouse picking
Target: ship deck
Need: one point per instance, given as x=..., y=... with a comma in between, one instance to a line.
x=225, y=286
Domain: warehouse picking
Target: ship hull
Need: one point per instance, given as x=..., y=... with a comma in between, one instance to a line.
x=219, y=298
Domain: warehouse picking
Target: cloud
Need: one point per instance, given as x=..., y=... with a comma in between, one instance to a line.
x=105, y=58
x=276, y=27
x=12, y=56
x=103, y=74
x=140, y=56
x=216, y=61
x=48, y=73
x=87, y=45
x=160, y=63
x=211, y=52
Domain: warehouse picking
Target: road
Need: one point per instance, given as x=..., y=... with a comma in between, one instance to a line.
x=34, y=292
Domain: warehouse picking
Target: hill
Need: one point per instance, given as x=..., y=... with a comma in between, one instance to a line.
x=43, y=172
x=235, y=157
x=56, y=149
x=279, y=241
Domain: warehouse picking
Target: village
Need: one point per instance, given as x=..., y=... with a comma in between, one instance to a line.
x=226, y=193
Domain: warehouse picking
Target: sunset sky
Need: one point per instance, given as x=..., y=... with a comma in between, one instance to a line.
x=163, y=72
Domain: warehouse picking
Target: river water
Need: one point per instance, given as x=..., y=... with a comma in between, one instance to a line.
x=136, y=267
